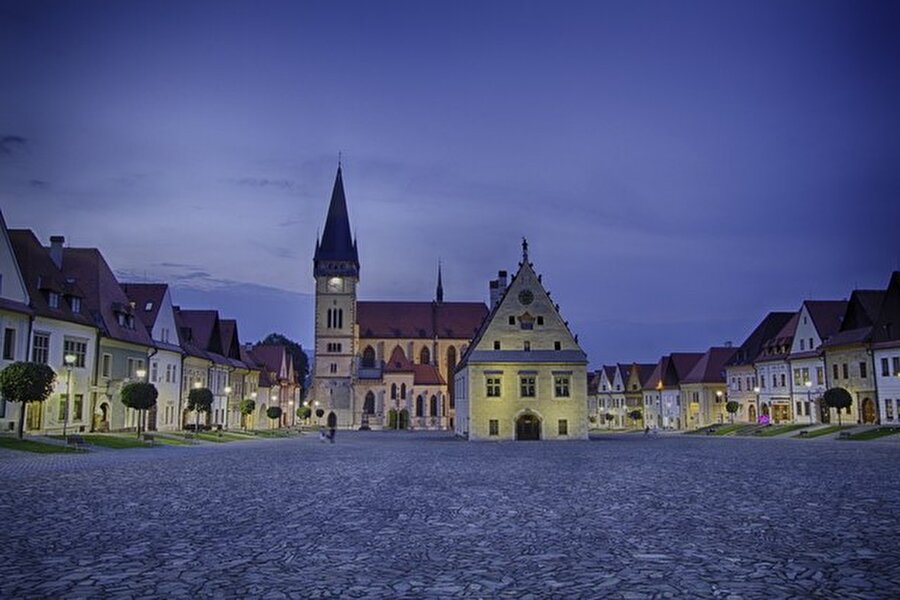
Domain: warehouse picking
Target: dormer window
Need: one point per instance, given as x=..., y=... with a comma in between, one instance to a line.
x=75, y=304
x=53, y=299
x=149, y=306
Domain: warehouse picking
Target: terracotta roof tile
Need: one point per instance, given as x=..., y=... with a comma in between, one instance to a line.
x=448, y=320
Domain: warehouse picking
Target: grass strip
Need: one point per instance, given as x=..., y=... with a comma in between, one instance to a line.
x=779, y=429
x=874, y=434
x=35, y=447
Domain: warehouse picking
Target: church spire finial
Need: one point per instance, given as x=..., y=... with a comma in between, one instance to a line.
x=440, y=285
x=524, y=250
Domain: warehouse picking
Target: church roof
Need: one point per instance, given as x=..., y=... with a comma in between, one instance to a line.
x=452, y=320
x=337, y=243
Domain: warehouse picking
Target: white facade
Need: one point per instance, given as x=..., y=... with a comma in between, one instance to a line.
x=165, y=367
x=887, y=378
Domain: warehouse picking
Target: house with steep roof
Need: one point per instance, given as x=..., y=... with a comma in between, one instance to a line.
x=636, y=376
x=886, y=353
x=740, y=371
x=817, y=321
x=662, y=391
x=773, y=374
x=15, y=319
x=704, y=390
x=848, y=357
x=357, y=341
x=125, y=344
x=153, y=303
x=524, y=376
x=278, y=385
x=63, y=324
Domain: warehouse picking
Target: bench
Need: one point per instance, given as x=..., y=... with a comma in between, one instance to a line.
x=190, y=437
x=149, y=437
x=803, y=433
x=844, y=435
x=76, y=441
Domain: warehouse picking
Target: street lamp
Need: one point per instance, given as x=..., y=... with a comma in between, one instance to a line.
x=756, y=391
x=228, y=389
x=719, y=394
x=69, y=359
x=808, y=385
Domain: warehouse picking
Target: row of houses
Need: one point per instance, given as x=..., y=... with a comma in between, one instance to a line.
x=64, y=307
x=777, y=375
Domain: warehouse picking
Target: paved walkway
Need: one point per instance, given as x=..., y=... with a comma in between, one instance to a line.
x=388, y=514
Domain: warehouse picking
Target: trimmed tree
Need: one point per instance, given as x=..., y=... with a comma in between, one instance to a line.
x=635, y=416
x=320, y=412
x=837, y=398
x=26, y=382
x=140, y=396
x=247, y=406
x=273, y=412
x=303, y=412
x=199, y=400
x=732, y=406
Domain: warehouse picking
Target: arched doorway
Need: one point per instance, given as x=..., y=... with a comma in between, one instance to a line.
x=332, y=420
x=868, y=411
x=751, y=413
x=369, y=404
x=34, y=415
x=528, y=427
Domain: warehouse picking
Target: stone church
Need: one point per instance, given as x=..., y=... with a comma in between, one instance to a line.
x=382, y=364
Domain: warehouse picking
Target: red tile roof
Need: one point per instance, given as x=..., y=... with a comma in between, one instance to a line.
x=710, y=368
x=104, y=297
x=427, y=375
x=398, y=363
x=449, y=320
x=144, y=295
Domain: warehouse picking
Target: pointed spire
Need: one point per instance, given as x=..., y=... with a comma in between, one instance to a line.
x=524, y=250
x=336, y=243
x=440, y=285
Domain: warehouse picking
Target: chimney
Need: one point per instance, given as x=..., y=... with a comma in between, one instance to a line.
x=495, y=295
x=56, y=249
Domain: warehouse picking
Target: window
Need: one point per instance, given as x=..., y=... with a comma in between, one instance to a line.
x=393, y=391
x=133, y=366
x=863, y=370
x=803, y=344
x=836, y=376
x=526, y=386
x=75, y=304
x=493, y=387
x=797, y=380
x=811, y=345
x=820, y=375
x=77, y=348
x=799, y=408
x=846, y=371
x=368, y=357
x=557, y=345
x=148, y=306
x=540, y=320
x=53, y=300
x=403, y=391
x=526, y=346
x=561, y=386
x=40, y=349
x=2, y=408
x=106, y=365
x=739, y=385
x=512, y=320
x=895, y=363
x=62, y=407
x=332, y=368
x=77, y=406
x=563, y=427
x=496, y=344
x=154, y=371
x=425, y=356
x=888, y=409
x=774, y=380
x=885, y=367
x=493, y=427
x=9, y=344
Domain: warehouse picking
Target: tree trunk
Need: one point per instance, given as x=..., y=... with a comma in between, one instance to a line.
x=197, y=421
x=22, y=420
x=839, y=417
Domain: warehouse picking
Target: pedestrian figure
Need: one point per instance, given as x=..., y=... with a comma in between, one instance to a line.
x=331, y=434
x=646, y=430
x=322, y=434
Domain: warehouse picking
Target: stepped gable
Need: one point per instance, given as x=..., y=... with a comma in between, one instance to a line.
x=767, y=328
x=710, y=368
x=419, y=320
x=103, y=296
x=41, y=276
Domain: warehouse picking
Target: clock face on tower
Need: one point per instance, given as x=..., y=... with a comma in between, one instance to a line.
x=526, y=297
x=335, y=284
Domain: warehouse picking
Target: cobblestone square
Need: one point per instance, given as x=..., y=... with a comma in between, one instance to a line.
x=388, y=515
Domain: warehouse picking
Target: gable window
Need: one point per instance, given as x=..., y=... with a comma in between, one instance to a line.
x=77, y=348
x=526, y=386
x=493, y=387
x=561, y=386
x=512, y=320
x=557, y=345
x=9, y=345
x=149, y=306
x=803, y=344
x=540, y=320
x=53, y=299
x=40, y=348
x=494, y=427
x=810, y=343
x=106, y=365
x=496, y=344
x=527, y=346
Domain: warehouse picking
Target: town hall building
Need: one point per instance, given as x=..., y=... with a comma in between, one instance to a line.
x=381, y=364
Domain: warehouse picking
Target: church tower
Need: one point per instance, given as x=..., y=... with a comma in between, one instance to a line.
x=336, y=270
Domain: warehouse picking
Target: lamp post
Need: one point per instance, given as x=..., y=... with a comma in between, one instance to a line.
x=140, y=373
x=719, y=394
x=756, y=391
x=69, y=359
x=808, y=385
x=228, y=389
x=274, y=398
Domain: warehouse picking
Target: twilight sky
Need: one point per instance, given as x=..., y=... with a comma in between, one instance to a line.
x=679, y=168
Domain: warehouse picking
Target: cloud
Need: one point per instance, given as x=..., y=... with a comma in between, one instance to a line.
x=11, y=143
x=38, y=183
x=263, y=182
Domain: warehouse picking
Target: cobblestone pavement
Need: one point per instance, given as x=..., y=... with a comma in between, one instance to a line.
x=386, y=514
